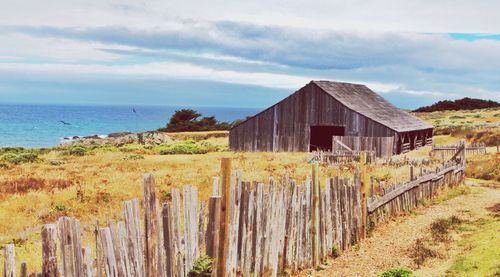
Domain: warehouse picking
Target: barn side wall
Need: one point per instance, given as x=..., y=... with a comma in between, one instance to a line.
x=285, y=127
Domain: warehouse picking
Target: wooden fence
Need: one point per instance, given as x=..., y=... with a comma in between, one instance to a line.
x=448, y=150
x=382, y=146
x=251, y=229
x=402, y=198
x=341, y=157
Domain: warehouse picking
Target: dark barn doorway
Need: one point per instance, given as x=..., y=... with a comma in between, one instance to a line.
x=321, y=137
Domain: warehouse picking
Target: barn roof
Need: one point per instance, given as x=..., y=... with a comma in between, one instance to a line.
x=363, y=100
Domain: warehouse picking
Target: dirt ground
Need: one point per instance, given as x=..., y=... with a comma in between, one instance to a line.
x=388, y=246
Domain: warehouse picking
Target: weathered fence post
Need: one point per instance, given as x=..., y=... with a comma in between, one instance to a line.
x=411, y=173
x=106, y=243
x=224, y=217
x=9, y=265
x=71, y=246
x=215, y=186
x=190, y=225
x=24, y=269
x=98, y=262
x=363, y=185
x=151, y=226
x=49, y=250
x=133, y=237
x=87, y=262
x=213, y=229
x=372, y=190
x=168, y=243
x=315, y=215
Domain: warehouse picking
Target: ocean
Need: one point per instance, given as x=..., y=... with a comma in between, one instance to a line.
x=38, y=125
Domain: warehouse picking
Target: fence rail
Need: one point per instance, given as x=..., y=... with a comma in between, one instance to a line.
x=250, y=229
x=381, y=146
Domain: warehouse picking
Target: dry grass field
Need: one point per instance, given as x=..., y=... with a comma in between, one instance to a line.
x=91, y=184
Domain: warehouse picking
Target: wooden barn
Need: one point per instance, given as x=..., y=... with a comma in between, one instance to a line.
x=309, y=118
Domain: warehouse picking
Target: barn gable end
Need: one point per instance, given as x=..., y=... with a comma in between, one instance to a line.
x=350, y=109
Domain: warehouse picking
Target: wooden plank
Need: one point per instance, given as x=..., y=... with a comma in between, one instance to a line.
x=259, y=230
x=315, y=216
x=168, y=242
x=24, y=269
x=212, y=237
x=49, y=251
x=152, y=252
x=225, y=218
x=191, y=229
x=176, y=233
x=328, y=217
x=88, y=268
x=9, y=256
x=133, y=238
x=71, y=246
x=234, y=223
x=117, y=236
x=108, y=252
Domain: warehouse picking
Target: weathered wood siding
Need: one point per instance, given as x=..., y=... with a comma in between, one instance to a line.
x=285, y=127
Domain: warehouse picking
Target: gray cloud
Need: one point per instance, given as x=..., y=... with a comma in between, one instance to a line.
x=303, y=48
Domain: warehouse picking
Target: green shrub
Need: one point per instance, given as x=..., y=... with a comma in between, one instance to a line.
x=74, y=150
x=20, y=158
x=397, y=272
x=187, y=147
x=202, y=266
x=14, y=150
x=77, y=151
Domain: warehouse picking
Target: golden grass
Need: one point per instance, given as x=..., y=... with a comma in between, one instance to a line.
x=100, y=183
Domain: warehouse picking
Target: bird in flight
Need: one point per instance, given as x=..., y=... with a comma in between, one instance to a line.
x=64, y=122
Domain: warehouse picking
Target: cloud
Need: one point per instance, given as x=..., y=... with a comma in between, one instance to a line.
x=444, y=16
x=294, y=47
x=282, y=46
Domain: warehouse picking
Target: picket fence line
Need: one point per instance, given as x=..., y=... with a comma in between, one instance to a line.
x=451, y=149
x=250, y=229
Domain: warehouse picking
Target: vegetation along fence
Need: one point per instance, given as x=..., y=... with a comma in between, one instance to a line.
x=250, y=229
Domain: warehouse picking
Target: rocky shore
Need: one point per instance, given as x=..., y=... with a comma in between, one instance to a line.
x=122, y=138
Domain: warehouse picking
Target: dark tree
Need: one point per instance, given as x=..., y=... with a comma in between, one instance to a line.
x=183, y=120
x=460, y=104
x=190, y=120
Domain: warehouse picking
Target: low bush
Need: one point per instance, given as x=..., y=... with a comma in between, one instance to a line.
x=188, y=147
x=397, y=272
x=20, y=158
x=74, y=150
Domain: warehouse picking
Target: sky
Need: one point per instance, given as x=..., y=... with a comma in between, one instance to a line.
x=245, y=53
